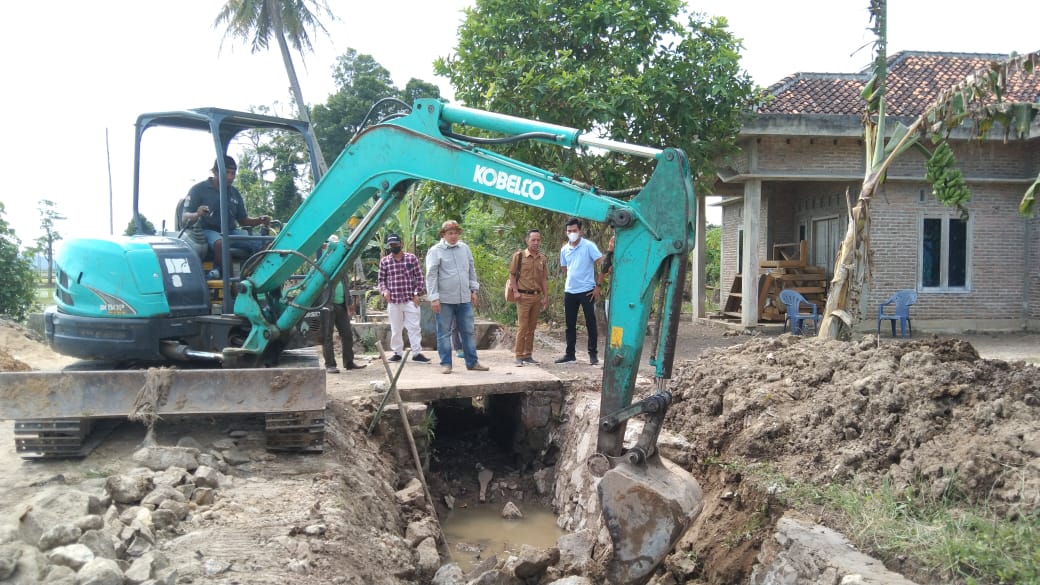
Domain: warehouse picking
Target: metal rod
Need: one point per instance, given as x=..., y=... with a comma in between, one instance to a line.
x=408, y=427
x=616, y=146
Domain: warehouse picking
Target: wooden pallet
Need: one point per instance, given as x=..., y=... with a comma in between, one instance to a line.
x=787, y=270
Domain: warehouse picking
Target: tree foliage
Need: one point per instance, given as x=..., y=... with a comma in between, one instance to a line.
x=635, y=71
x=131, y=227
x=361, y=82
x=18, y=293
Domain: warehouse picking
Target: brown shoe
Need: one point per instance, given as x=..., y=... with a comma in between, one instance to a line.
x=446, y=369
x=477, y=367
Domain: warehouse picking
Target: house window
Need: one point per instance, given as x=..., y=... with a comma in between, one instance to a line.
x=944, y=256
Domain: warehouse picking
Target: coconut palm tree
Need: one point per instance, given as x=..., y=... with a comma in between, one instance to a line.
x=288, y=22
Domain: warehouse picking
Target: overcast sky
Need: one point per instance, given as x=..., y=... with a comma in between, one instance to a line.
x=75, y=69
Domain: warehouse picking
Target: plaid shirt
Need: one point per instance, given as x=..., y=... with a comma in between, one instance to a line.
x=402, y=278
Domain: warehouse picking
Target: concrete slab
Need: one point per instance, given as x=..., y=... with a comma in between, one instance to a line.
x=424, y=382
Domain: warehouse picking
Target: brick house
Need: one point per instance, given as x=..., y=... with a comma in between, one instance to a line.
x=804, y=151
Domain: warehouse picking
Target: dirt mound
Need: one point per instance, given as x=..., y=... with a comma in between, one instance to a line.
x=23, y=349
x=928, y=412
x=11, y=364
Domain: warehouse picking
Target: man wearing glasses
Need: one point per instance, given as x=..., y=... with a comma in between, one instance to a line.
x=579, y=258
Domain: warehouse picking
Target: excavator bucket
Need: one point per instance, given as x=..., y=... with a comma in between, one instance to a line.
x=646, y=508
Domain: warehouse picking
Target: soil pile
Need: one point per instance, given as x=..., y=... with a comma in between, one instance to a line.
x=929, y=412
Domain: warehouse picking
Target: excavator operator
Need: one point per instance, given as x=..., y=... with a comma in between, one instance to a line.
x=203, y=205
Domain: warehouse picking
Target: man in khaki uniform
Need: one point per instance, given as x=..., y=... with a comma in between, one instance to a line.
x=529, y=271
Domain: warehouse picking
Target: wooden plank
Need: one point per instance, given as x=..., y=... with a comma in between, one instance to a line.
x=804, y=290
x=782, y=264
x=802, y=276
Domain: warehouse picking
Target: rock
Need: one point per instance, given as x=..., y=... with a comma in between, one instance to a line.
x=208, y=477
x=73, y=556
x=236, y=456
x=59, y=535
x=420, y=530
x=171, y=477
x=163, y=519
x=8, y=534
x=9, y=555
x=533, y=561
x=52, y=507
x=429, y=558
x=160, y=458
x=214, y=461
x=543, y=480
x=575, y=551
x=214, y=567
x=450, y=574
x=484, y=478
x=809, y=553
x=511, y=512
x=178, y=509
x=572, y=580
x=100, y=543
x=495, y=577
x=449, y=501
x=314, y=530
x=59, y=575
x=30, y=565
x=203, y=496
x=146, y=566
x=189, y=442
x=160, y=495
x=411, y=494
x=100, y=572
x=128, y=489
x=90, y=522
x=224, y=444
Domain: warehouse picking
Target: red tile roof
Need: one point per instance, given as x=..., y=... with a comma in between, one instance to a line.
x=914, y=80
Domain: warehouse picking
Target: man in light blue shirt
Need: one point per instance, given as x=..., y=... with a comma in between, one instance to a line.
x=579, y=258
x=451, y=285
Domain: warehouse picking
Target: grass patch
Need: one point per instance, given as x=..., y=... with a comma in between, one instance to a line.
x=942, y=536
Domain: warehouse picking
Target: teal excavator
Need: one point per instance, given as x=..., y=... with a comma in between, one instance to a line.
x=146, y=300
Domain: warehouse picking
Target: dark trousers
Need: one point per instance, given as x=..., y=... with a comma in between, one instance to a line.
x=571, y=302
x=336, y=315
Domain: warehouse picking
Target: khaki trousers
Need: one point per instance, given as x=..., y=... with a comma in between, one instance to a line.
x=527, y=309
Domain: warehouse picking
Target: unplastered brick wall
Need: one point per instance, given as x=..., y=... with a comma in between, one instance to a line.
x=996, y=252
x=732, y=223
x=804, y=155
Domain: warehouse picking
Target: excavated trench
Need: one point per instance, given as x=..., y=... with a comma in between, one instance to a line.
x=487, y=458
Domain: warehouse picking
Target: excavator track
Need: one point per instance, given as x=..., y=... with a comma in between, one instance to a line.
x=301, y=432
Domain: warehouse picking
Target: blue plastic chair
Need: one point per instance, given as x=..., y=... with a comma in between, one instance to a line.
x=794, y=301
x=902, y=301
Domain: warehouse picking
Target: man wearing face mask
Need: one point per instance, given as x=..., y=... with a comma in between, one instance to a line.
x=401, y=284
x=579, y=258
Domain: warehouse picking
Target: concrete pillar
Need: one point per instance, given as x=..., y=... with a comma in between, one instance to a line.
x=699, y=301
x=749, y=275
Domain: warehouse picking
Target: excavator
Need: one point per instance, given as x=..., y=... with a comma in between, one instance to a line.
x=145, y=300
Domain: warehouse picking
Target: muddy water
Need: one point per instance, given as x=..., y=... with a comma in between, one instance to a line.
x=476, y=533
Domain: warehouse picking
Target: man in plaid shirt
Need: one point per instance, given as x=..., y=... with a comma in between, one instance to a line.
x=401, y=284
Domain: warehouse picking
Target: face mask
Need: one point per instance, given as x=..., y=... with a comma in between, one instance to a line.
x=395, y=249
x=573, y=237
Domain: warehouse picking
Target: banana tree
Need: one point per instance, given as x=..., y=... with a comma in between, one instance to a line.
x=978, y=98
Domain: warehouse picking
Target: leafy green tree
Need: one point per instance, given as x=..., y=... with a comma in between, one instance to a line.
x=636, y=71
x=131, y=228
x=979, y=98
x=289, y=22
x=18, y=293
x=361, y=83
x=45, y=243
